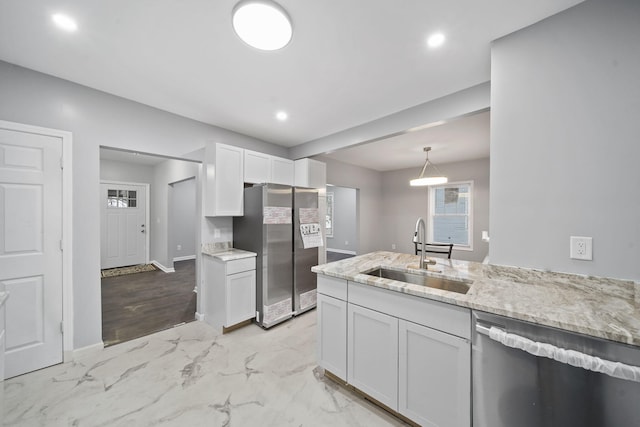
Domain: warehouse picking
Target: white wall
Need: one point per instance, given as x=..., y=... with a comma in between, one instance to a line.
x=183, y=218
x=96, y=118
x=369, y=184
x=564, y=141
x=402, y=205
x=345, y=219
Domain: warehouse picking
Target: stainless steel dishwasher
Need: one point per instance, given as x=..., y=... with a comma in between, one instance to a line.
x=524, y=376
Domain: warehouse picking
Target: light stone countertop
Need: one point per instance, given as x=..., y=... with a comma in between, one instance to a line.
x=226, y=253
x=599, y=307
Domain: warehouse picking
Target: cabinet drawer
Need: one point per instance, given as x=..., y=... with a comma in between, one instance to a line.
x=332, y=286
x=240, y=265
x=434, y=314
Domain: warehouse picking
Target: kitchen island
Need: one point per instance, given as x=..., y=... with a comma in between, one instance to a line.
x=599, y=307
x=408, y=347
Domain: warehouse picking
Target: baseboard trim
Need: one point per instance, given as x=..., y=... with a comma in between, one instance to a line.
x=341, y=251
x=79, y=353
x=162, y=267
x=199, y=317
x=184, y=258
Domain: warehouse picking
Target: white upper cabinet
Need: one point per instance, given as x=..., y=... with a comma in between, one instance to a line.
x=282, y=171
x=261, y=168
x=257, y=167
x=310, y=173
x=224, y=181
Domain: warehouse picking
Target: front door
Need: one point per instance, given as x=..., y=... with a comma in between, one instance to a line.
x=123, y=225
x=30, y=248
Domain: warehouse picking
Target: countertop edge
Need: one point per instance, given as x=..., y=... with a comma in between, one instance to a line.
x=230, y=254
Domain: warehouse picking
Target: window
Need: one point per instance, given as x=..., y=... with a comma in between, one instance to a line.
x=121, y=199
x=450, y=214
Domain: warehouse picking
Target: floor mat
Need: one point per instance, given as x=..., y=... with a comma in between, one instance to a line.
x=121, y=271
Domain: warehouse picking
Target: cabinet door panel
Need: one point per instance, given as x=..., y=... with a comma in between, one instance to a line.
x=332, y=335
x=281, y=171
x=257, y=167
x=373, y=354
x=229, y=180
x=434, y=376
x=241, y=297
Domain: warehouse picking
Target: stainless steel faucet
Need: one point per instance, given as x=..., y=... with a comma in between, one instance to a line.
x=422, y=237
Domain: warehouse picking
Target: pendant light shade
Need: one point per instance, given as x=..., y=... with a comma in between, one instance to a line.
x=432, y=177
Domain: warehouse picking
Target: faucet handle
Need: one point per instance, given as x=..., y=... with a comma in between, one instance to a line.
x=427, y=262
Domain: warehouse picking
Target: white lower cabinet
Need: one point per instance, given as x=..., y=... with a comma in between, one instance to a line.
x=409, y=353
x=372, y=354
x=241, y=297
x=229, y=291
x=332, y=335
x=434, y=376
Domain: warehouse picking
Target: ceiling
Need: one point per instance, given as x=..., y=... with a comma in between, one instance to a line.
x=465, y=138
x=349, y=62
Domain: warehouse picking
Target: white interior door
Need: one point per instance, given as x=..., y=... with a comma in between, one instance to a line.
x=30, y=249
x=123, y=225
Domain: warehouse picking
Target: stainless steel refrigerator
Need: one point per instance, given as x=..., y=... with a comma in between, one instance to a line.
x=282, y=225
x=306, y=232
x=266, y=229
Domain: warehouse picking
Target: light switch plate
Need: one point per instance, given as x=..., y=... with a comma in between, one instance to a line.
x=581, y=248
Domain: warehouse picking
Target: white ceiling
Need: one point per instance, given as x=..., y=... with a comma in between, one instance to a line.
x=349, y=62
x=462, y=139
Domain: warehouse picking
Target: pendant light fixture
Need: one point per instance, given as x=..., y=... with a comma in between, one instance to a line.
x=263, y=24
x=434, y=178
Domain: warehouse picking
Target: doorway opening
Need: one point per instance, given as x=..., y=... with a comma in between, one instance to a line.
x=342, y=222
x=143, y=302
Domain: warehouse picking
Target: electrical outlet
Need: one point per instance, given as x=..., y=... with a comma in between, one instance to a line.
x=179, y=247
x=393, y=246
x=346, y=243
x=581, y=248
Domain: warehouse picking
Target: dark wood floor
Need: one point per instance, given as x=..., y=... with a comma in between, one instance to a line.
x=139, y=304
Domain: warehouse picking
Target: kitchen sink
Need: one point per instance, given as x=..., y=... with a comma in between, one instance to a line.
x=422, y=280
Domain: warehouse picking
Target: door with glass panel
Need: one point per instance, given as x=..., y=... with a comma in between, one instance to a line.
x=123, y=224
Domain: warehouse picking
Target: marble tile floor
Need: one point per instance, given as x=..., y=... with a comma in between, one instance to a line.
x=192, y=375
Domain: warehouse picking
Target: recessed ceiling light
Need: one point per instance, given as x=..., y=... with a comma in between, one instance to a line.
x=64, y=22
x=262, y=24
x=282, y=116
x=436, y=40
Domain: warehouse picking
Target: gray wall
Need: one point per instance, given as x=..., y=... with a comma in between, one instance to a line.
x=182, y=218
x=168, y=172
x=564, y=141
x=369, y=184
x=111, y=170
x=403, y=204
x=345, y=219
x=96, y=118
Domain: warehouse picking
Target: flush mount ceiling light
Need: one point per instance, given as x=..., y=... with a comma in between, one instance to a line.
x=436, y=177
x=64, y=22
x=262, y=24
x=436, y=40
x=282, y=116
